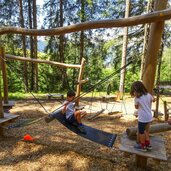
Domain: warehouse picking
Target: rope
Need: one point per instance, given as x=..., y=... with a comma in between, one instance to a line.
x=99, y=82
x=76, y=98
x=14, y=71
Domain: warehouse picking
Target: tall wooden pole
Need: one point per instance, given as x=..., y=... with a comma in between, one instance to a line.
x=1, y=106
x=79, y=80
x=4, y=75
x=156, y=31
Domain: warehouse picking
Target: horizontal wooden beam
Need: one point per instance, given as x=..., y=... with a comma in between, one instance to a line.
x=124, y=22
x=12, y=57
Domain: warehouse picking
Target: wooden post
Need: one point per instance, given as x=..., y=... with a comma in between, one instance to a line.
x=141, y=161
x=166, y=116
x=4, y=75
x=79, y=80
x=156, y=31
x=1, y=106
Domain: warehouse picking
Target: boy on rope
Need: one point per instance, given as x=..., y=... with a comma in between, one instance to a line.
x=143, y=101
x=72, y=115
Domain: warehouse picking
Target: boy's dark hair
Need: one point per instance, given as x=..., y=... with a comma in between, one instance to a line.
x=70, y=93
x=139, y=88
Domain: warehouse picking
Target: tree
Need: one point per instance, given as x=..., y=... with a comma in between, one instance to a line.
x=35, y=66
x=23, y=37
x=124, y=50
x=146, y=34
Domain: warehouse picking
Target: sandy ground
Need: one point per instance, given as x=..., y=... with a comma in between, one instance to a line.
x=55, y=148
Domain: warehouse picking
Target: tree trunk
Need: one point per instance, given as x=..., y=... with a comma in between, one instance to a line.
x=81, y=45
x=31, y=44
x=146, y=34
x=23, y=37
x=82, y=32
x=124, y=50
x=61, y=50
x=35, y=66
x=156, y=31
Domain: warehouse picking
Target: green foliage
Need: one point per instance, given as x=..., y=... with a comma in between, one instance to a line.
x=165, y=71
x=101, y=46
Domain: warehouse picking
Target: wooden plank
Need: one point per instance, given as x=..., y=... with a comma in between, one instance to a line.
x=8, y=117
x=96, y=114
x=114, y=112
x=158, y=152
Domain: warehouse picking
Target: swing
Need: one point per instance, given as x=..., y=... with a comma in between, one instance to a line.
x=92, y=134
x=98, y=136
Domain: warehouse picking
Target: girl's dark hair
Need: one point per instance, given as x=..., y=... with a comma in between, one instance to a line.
x=70, y=93
x=138, y=88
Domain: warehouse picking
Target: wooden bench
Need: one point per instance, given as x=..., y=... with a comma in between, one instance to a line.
x=8, y=117
x=158, y=153
x=8, y=106
x=56, y=96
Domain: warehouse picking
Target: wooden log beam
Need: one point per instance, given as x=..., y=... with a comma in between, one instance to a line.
x=162, y=127
x=154, y=41
x=125, y=22
x=12, y=57
x=4, y=75
x=79, y=79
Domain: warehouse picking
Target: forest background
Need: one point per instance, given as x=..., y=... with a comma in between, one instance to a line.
x=102, y=48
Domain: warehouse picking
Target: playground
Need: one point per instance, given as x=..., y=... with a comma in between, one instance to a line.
x=110, y=123
x=54, y=147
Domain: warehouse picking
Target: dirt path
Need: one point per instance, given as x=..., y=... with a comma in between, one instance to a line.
x=56, y=148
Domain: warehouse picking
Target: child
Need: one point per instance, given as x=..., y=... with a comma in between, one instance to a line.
x=72, y=116
x=143, y=101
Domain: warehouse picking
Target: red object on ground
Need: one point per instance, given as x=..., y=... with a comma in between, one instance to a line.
x=27, y=137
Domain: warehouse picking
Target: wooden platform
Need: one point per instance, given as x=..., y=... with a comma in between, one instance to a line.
x=158, y=151
x=8, y=117
x=9, y=104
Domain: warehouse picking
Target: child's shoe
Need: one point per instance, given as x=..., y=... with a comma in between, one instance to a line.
x=149, y=147
x=82, y=129
x=49, y=118
x=140, y=148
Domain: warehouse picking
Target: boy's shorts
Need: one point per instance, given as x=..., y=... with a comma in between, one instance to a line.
x=142, y=127
x=71, y=119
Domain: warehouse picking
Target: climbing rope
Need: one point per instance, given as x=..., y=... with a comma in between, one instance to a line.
x=76, y=98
